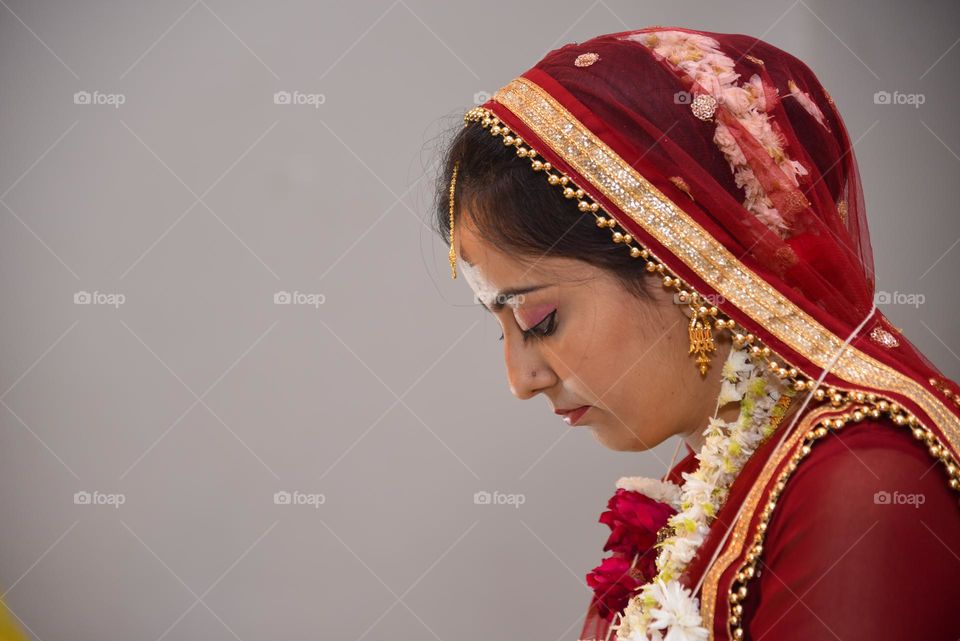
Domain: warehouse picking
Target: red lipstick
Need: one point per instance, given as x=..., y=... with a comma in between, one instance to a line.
x=572, y=416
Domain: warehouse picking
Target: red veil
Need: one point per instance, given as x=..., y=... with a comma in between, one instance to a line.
x=759, y=211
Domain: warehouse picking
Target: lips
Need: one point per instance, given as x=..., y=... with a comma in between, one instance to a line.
x=572, y=416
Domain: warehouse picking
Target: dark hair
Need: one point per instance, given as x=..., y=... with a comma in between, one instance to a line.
x=515, y=208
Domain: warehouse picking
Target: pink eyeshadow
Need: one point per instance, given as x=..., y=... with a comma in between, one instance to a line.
x=534, y=315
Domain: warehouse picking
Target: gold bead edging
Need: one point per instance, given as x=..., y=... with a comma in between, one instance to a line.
x=859, y=406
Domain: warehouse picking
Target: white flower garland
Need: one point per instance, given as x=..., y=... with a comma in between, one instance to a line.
x=664, y=608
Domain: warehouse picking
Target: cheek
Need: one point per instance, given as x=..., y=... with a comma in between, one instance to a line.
x=640, y=369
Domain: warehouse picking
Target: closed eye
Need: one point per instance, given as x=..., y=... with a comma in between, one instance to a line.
x=544, y=328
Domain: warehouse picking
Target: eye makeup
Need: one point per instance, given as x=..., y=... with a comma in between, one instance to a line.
x=546, y=326
x=530, y=317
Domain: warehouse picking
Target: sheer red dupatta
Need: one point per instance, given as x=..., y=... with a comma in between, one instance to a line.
x=781, y=245
x=803, y=292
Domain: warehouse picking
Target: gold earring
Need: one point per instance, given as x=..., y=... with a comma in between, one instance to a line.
x=701, y=334
x=453, y=254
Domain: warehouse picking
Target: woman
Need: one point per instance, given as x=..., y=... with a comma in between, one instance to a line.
x=669, y=226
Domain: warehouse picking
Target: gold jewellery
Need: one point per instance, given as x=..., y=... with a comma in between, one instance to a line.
x=701, y=337
x=453, y=254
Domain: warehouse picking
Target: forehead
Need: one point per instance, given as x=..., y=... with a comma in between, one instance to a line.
x=487, y=266
x=493, y=273
x=484, y=260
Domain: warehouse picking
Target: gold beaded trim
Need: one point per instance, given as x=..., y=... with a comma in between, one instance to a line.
x=855, y=408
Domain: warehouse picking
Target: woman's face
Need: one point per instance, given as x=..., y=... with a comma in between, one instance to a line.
x=573, y=333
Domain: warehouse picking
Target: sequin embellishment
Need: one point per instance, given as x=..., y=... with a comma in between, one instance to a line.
x=883, y=337
x=586, y=59
x=704, y=106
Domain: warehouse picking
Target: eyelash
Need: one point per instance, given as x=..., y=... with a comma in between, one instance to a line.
x=548, y=326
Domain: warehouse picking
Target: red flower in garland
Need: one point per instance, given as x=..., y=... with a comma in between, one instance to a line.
x=634, y=520
x=613, y=583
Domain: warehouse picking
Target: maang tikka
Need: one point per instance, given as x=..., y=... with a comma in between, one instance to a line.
x=453, y=253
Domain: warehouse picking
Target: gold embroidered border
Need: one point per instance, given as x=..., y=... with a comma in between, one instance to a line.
x=700, y=251
x=734, y=545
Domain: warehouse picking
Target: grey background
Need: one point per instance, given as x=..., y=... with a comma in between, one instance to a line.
x=198, y=398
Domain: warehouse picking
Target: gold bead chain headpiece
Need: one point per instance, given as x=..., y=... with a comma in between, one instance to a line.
x=453, y=253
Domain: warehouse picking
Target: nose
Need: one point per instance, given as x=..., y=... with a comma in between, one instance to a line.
x=528, y=372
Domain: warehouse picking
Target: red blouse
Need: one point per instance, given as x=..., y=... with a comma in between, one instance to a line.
x=864, y=544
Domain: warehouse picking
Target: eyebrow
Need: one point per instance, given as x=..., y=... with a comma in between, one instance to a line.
x=500, y=298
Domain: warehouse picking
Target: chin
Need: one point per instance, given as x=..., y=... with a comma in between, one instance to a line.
x=619, y=440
